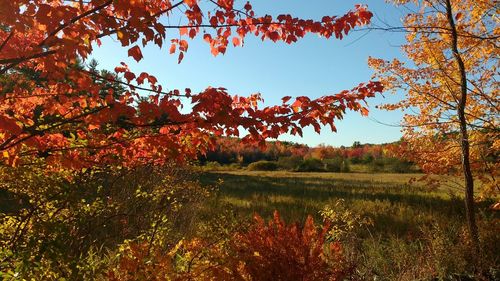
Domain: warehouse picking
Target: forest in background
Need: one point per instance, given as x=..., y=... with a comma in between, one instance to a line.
x=234, y=154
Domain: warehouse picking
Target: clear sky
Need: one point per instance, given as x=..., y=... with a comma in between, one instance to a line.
x=314, y=67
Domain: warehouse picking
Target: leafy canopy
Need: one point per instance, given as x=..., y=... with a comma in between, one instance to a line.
x=432, y=85
x=53, y=107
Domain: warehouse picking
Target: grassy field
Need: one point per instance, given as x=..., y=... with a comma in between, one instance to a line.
x=409, y=222
x=394, y=205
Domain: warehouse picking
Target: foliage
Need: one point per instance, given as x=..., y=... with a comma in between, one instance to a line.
x=452, y=86
x=263, y=166
x=337, y=165
x=57, y=222
x=276, y=251
x=343, y=221
x=290, y=163
x=273, y=251
x=311, y=165
x=375, y=158
x=431, y=84
x=71, y=117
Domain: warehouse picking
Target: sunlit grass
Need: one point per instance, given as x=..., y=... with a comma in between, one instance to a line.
x=396, y=206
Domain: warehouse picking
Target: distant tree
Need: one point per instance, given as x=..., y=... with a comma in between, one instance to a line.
x=356, y=144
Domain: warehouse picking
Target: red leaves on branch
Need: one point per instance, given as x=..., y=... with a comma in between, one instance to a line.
x=54, y=108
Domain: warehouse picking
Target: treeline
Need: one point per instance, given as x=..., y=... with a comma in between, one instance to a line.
x=232, y=153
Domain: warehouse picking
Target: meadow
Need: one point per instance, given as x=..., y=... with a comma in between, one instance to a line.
x=393, y=229
x=179, y=223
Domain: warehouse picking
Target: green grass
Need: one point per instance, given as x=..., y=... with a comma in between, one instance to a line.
x=388, y=199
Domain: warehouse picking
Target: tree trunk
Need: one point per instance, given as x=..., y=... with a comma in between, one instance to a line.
x=464, y=138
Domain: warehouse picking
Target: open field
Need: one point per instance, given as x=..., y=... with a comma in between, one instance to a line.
x=408, y=222
x=388, y=198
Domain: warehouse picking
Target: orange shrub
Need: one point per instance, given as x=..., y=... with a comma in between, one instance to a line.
x=276, y=251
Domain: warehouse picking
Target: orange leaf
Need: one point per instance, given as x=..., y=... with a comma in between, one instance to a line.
x=183, y=45
x=296, y=105
x=364, y=111
x=190, y=3
x=236, y=41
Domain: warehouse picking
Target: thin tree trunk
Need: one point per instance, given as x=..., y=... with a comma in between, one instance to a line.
x=464, y=142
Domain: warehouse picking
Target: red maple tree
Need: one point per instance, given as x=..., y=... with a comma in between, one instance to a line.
x=52, y=108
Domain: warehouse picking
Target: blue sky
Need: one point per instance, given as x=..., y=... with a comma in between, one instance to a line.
x=314, y=67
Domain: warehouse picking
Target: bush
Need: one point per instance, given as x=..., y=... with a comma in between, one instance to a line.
x=276, y=251
x=212, y=166
x=377, y=165
x=400, y=166
x=311, y=165
x=69, y=221
x=337, y=165
x=290, y=163
x=263, y=166
x=391, y=165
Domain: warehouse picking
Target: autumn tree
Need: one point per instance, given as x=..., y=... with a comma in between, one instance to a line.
x=73, y=118
x=451, y=91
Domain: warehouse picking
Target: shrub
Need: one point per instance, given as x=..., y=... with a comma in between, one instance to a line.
x=337, y=165
x=290, y=163
x=212, y=166
x=377, y=165
x=311, y=165
x=400, y=166
x=346, y=168
x=276, y=251
x=67, y=219
x=267, y=251
x=263, y=166
x=344, y=222
x=391, y=165
x=333, y=165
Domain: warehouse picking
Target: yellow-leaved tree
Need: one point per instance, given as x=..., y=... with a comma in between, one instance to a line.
x=450, y=80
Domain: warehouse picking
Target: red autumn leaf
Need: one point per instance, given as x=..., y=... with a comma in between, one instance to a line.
x=183, y=45
x=192, y=33
x=207, y=38
x=9, y=125
x=181, y=57
x=129, y=76
x=286, y=99
x=364, y=111
x=296, y=105
x=135, y=52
